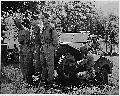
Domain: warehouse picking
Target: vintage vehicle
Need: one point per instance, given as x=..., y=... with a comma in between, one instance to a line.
x=67, y=57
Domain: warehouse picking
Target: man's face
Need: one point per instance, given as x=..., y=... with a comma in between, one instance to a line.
x=45, y=20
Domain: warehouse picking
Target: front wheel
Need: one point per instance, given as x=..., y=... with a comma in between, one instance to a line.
x=66, y=68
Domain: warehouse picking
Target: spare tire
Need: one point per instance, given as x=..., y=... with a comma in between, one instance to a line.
x=102, y=67
x=102, y=61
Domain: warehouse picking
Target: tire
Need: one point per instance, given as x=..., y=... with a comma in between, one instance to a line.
x=61, y=79
x=103, y=67
x=101, y=77
x=104, y=74
x=65, y=73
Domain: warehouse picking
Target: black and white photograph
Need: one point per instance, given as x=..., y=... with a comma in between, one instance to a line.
x=60, y=47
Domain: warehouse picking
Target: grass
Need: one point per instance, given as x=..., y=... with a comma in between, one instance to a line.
x=18, y=86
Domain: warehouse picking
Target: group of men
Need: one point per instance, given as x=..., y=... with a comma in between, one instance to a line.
x=37, y=50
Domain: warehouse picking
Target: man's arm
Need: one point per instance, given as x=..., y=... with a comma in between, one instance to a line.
x=55, y=37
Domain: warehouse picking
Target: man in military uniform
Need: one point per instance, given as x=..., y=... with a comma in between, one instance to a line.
x=26, y=56
x=50, y=42
x=37, y=46
x=88, y=59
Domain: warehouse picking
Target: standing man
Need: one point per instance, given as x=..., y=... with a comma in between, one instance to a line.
x=26, y=54
x=50, y=42
x=37, y=46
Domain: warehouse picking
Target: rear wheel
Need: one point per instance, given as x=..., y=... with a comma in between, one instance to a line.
x=101, y=77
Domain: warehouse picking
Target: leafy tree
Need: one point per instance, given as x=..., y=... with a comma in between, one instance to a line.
x=73, y=15
x=112, y=30
x=25, y=10
x=28, y=9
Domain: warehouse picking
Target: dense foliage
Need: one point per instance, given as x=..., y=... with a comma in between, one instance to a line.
x=72, y=16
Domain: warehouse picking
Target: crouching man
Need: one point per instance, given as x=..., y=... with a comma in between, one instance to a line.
x=87, y=61
x=26, y=56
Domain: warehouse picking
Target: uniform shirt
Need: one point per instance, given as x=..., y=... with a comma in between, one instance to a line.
x=49, y=35
x=23, y=36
